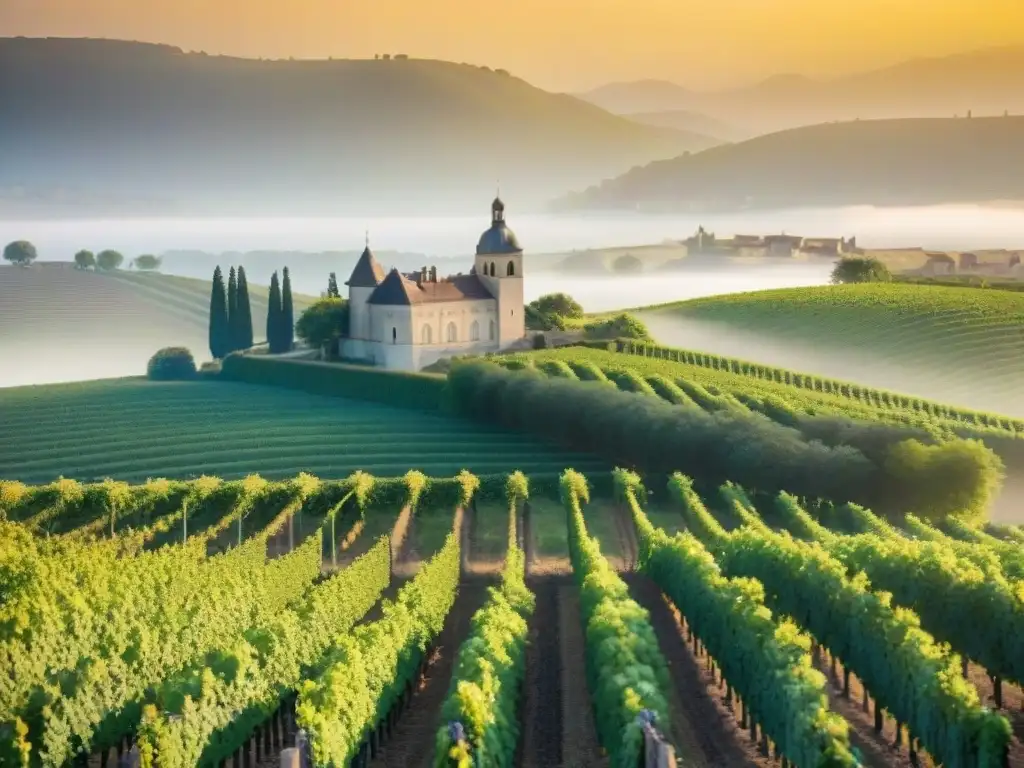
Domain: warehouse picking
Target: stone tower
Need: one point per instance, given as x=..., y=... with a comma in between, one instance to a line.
x=499, y=265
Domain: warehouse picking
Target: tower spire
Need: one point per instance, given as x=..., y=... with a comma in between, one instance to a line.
x=367, y=237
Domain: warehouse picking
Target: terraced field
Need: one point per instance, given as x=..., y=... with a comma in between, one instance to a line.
x=959, y=345
x=132, y=429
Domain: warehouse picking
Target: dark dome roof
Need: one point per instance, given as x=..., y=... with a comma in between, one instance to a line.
x=497, y=240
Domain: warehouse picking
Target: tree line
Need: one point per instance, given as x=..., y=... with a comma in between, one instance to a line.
x=23, y=253
x=231, y=314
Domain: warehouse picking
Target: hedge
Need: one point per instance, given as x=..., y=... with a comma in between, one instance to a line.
x=406, y=390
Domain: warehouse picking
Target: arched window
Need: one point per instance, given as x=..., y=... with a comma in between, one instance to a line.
x=511, y=269
x=394, y=335
x=492, y=331
x=428, y=334
x=474, y=331
x=453, y=332
x=492, y=269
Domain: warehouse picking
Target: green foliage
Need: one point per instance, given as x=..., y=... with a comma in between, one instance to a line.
x=332, y=288
x=147, y=262
x=287, y=312
x=368, y=670
x=171, y=364
x=910, y=675
x=275, y=317
x=561, y=304
x=647, y=433
x=916, y=571
x=625, y=669
x=85, y=260
x=488, y=673
x=622, y=326
x=109, y=260
x=860, y=269
x=407, y=390
x=202, y=715
x=239, y=311
x=764, y=661
x=20, y=252
x=517, y=489
x=959, y=478
x=628, y=264
x=220, y=331
x=323, y=323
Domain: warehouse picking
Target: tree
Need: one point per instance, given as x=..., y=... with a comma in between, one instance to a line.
x=274, y=316
x=147, y=262
x=622, y=326
x=20, y=252
x=558, y=304
x=244, y=312
x=287, y=313
x=85, y=260
x=324, y=322
x=332, y=287
x=171, y=364
x=109, y=260
x=628, y=265
x=220, y=342
x=860, y=269
x=233, y=310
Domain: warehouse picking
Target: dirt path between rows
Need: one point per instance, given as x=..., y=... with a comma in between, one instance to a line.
x=540, y=708
x=707, y=732
x=413, y=740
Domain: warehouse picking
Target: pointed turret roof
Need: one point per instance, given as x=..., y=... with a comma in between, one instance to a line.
x=392, y=291
x=368, y=273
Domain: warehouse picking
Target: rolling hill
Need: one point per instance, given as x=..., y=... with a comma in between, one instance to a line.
x=988, y=81
x=964, y=346
x=99, y=125
x=704, y=129
x=58, y=323
x=872, y=162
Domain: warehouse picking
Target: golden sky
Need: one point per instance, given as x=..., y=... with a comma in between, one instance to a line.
x=557, y=44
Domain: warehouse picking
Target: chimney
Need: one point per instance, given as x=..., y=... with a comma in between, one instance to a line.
x=433, y=274
x=422, y=276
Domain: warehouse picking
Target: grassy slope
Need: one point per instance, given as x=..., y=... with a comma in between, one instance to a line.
x=882, y=162
x=302, y=134
x=60, y=323
x=958, y=345
x=133, y=429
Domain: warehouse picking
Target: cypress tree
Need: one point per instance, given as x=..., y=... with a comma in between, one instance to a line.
x=219, y=332
x=233, y=309
x=287, y=313
x=244, y=312
x=274, y=316
x=332, y=287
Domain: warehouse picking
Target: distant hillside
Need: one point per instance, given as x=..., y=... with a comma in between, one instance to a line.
x=987, y=82
x=963, y=346
x=884, y=162
x=61, y=324
x=703, y=128
x=96, y=125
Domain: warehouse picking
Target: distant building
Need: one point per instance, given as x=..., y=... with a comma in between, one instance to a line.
x=939, y=263
x=779, y=246
x=407, y=322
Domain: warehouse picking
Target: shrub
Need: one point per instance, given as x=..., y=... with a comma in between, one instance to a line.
x=560, y=304
x=20, y=252
x=171, y=364
x=623, y=326
x=860, y=269
x=109, y=260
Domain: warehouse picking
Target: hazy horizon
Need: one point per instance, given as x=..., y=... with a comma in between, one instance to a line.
x=697, y=43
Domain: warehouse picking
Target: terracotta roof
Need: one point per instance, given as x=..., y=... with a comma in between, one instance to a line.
x=367, y=273
x=399, y=290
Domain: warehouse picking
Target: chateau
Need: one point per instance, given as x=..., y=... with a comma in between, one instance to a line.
x=407, y=322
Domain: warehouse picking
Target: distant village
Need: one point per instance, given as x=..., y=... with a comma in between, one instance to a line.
x=991, y=262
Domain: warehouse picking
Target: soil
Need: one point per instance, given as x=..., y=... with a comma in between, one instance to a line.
x=540, y=710
x=413, y=740
x=404, y=559
x=627, y=537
